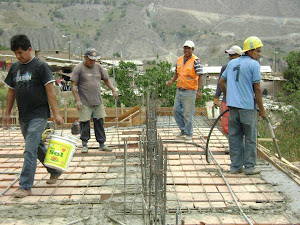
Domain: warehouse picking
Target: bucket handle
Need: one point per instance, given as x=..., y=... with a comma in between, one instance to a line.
x=62, y=129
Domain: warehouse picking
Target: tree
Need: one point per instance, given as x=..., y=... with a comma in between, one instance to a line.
x=289, y=117
x=124, y=77
x=133, y=86
x=154, y=81
x=117, y=55
x=292, y=73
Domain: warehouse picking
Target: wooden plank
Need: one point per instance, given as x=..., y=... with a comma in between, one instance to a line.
x=265, y=139
x=126, y=114
x=114, y=124
x=264, y=154
x=131, y=116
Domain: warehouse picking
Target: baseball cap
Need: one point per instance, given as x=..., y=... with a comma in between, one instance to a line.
x=189, y=44
x=92, y=54
x=234, y=50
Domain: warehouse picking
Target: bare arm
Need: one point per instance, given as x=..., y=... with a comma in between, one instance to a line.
x=111, y=87
x=218, y=90
x=222, y=84
x=10, y=99
x=200, y=84
x=53, y=103
x=170, y=82
x=76, y=95
x=258, y=97
x=75, y=91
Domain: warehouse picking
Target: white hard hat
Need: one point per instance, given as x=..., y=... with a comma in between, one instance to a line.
x=234, y=50
x=189, y=44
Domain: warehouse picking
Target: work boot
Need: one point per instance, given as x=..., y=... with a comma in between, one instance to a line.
x=105, y=148
x=226, y=151
x=237, y=171
x=21, y=193
x=188, y=137
x=53, y=179
x=84, y=149
x=253, y=172
x=181, y=134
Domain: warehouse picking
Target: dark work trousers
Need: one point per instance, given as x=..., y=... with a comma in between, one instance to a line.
x=85, y=133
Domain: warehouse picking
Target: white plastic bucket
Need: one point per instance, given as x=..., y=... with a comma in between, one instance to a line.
x=212, y=111
x=60, y=152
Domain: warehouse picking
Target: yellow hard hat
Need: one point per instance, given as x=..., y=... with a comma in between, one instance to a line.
x=252, y=43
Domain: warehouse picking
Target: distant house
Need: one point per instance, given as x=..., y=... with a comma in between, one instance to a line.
x=115, y=62
x=212, y=73
x=215, y=70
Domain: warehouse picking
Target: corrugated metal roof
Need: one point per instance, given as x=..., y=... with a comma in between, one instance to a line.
x=217, y=69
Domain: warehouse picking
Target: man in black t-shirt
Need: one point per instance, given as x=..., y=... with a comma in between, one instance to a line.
x=30, y=82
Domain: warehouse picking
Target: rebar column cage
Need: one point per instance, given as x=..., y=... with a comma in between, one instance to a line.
x=154, y=167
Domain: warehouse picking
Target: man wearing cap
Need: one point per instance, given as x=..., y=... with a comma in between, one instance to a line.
x=86, y=88
x=188, y=74
x=240, y=83
x=234, y=52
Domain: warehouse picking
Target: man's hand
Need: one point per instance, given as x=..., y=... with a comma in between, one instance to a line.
x=115, y=94
x=169, y=83
x=262, y=113
x=58, y=119
x=79, y=105
x=216, y=102
x=199, y=95
x=6, y=121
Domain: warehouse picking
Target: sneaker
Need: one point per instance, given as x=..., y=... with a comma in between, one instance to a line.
x=237, y=171
x=21, y=193
x=53, y=179
x=105, y=148
x=253, y=172
x=84, y=149
x=181, y=134
x=226, y=151
x=188, y=137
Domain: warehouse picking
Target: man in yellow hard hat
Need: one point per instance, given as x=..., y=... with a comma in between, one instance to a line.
x=240, y=83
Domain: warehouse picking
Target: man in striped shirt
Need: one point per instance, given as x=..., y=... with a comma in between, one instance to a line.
x=188, y=74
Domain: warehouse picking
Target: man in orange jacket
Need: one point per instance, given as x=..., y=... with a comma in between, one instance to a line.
x=188, y=74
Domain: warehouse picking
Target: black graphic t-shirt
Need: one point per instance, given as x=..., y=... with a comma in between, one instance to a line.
x=28, y=81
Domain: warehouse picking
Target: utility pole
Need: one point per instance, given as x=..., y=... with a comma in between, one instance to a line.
x=69, y=42
x=276, y=53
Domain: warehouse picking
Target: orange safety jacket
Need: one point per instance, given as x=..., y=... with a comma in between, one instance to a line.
x=187, y=76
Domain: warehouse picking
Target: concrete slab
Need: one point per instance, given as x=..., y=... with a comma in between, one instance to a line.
x=195, y=189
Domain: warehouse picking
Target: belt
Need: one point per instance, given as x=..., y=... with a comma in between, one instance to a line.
x=182, y=89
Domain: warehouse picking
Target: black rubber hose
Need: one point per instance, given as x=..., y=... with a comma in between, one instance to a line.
x=207, y=152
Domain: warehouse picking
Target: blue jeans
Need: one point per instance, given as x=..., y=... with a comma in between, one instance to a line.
x=242, y=131
x=34, y=149
x=184, y=109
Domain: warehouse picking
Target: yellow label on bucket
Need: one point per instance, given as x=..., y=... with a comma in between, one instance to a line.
x=58, y=154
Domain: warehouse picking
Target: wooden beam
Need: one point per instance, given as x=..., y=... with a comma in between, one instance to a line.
x=126, y=114
x=265, y=139
x=263, y=153
x=130, y=116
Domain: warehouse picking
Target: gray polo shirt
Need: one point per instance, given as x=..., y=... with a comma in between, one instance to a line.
x=88, y=82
